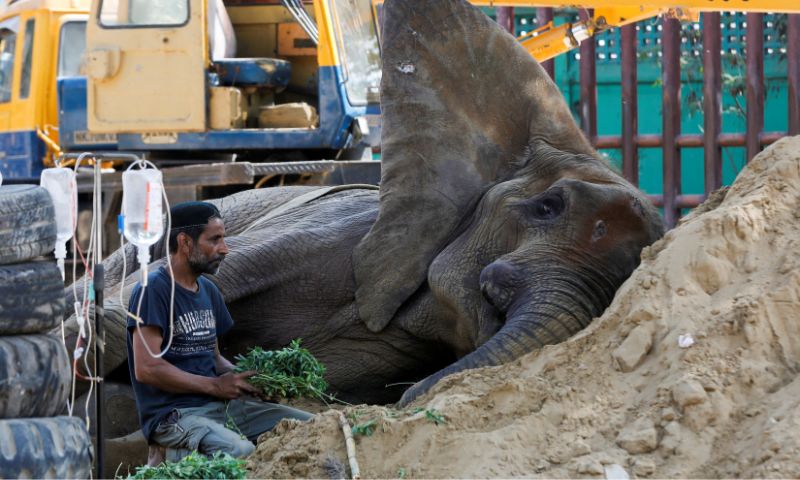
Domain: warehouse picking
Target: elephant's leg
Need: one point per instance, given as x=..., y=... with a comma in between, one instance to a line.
x=378, y=368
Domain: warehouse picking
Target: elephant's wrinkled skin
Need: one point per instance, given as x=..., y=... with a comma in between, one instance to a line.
x=497, y=229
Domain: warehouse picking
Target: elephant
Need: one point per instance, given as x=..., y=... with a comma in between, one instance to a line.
x=497, y=228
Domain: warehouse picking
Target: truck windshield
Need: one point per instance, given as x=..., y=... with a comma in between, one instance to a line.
x=358, y=44
x=72, y=45
x=123, y=13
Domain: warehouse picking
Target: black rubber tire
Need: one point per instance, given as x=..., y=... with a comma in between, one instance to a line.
x=34, y=376
x=27, y=223
x=31, y=298
x=57, y=447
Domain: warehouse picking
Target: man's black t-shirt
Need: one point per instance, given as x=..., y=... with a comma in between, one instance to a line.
x=199, y=317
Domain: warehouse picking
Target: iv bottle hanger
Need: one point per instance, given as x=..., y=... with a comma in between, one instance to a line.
x=142, y=209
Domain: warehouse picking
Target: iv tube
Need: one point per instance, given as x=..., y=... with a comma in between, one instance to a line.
x=60, y=184
x=142, y=206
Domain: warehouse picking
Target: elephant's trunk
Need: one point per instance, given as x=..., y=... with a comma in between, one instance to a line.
x=558, y=310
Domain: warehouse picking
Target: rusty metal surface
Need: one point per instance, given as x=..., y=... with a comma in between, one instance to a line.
x=190, y=175
x=681, y=201
x=654, y=140
x=505, y=18
x=544, y=15
x=793, y=72
x=630, y=105
x=244, y=173
x=671, y=117
x=712, y=101
x=588, y=69
x=311, y=166
x=755, y=82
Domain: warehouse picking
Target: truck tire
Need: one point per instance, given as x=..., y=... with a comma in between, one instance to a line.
x=34, y=376
x=57, y=447
x=31, y=298
x=27, y=223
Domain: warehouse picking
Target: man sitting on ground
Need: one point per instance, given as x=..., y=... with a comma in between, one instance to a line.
x=186, y=398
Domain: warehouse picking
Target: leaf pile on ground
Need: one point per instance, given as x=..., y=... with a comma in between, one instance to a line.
x=220, y=466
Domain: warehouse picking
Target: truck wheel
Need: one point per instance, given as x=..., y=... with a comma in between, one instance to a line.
x=27, y=223
x=34, y=376
x=31, y=297
x=57, y=447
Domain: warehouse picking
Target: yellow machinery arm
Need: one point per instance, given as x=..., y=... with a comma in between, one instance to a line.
x=782, y=6
x=550, y=41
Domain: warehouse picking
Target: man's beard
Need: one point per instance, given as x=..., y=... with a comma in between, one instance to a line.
x=201, y=264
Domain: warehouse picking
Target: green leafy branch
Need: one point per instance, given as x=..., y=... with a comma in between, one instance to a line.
x=733, y=74
x=289, y=372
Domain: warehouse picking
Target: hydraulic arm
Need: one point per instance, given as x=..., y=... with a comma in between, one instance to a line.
x=550, y=40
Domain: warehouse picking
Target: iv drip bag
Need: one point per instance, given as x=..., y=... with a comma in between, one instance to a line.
x=142, y=208
x=60, y=184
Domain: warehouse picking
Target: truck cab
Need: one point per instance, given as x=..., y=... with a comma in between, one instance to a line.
x=199, y=79
x=39, y=40
x=186, y=80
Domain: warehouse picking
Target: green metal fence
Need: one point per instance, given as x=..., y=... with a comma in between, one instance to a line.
x=650, y=95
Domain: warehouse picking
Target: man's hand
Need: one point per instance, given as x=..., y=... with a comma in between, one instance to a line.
x=233, y=385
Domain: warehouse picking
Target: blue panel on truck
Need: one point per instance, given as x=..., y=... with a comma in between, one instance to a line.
x=73, y=133
x=21, y=155
x=224, y=140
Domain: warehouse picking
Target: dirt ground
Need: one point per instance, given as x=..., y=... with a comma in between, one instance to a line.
x=691, y=372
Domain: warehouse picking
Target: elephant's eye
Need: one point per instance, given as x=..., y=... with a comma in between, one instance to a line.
x=548, y=207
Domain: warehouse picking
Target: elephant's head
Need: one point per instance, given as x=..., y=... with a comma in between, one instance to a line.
x=489, y=192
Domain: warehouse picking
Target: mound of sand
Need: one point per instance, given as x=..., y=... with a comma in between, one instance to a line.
x=628, y=395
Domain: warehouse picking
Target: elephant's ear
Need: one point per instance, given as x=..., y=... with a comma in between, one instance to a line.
x=461, y=99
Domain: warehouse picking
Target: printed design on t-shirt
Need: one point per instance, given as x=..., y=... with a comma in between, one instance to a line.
x=195, y=332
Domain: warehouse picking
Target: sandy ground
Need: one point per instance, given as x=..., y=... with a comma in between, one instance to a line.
x=629, y=395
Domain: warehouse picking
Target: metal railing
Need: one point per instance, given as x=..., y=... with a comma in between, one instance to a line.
x=671, y=140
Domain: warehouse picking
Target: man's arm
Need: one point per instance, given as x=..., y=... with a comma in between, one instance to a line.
x=223, y=364
x=161, y=374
